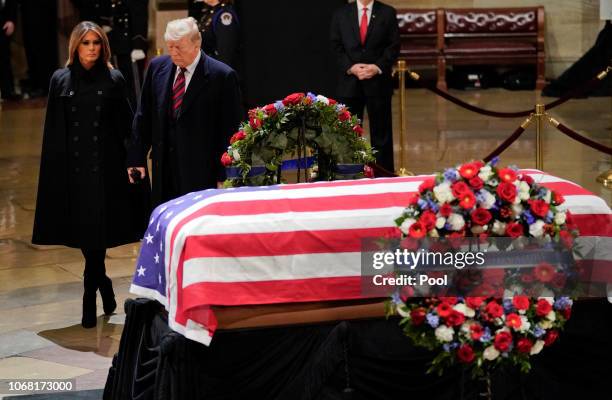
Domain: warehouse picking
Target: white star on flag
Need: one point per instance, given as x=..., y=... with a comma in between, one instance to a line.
x=198, y=197
x=141, y=271
x=157, y=228
x=156, y=258
x=149, y=238
x=178, y=202
x=161, y=245
x=159, y=278
x=151, y=220
x=169, y=214
x=161, y=210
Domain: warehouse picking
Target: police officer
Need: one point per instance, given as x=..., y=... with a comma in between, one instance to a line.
x=218, y=24
x=126, y=23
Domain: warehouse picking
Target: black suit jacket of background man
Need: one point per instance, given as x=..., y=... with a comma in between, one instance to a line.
x=210, y=113
x=381, y=48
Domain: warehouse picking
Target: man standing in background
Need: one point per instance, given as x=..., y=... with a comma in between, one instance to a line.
x=8, y=15
x=365, y=41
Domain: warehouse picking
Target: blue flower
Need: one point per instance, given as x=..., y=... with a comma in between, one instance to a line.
x=528, y=217
x=433, y=320
x=279, y=106
x=395, y=298
x=446, y=347
x=432, y=204
x=539, y=332
x=450, y=174
x=562, y=303
x=549, y=217
x=312, y=96
x=508, y=305
x=339, y=107
x=494, y=161
x=486, y=336
x=447, y=226
x=423, y=204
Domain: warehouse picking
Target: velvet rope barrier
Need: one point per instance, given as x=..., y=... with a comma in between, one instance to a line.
x=579, y=138
x=499, y=114
x=511, y=139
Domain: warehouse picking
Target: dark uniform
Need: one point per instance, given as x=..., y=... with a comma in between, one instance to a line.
x=128, y=20
x=220, y=30
x=8, y=12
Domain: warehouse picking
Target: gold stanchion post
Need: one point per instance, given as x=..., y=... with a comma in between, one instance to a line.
x=401, y=69
x=540, y=113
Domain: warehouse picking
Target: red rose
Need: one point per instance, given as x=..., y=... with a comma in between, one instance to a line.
x=467, y=200
x=458, y=188
x=513, y=320
x=544, y=272
x=444, y=310
x=465, y=354
x=476, y=331
x=520, y=302
x=226, y=160
x=527, y=277
x=505, y=212
x=237, y=136
x=270, y=109
x=450, y=300
x=413, y=199
x=446, y=210
x=543, y=307
x=566, y=238
x=502, y=341
x=551, y=337
x=252, y=112
x=524, y=345
x=474, y=302
x=539, y=207
x=293, y=99
x=494, y=309
x=476, y=183
x=417, y=230
x=358, y=130
x=332, y=101
x=418, y=316
x=368, y=172
x=567, y=312
x=344, y=116
x=428, y=219
x=507, y=191
x=558, y=198
x=480, y=216
x=469, y=170
x=255, y=123
x=427, y=184
x=507, y=175
x=527, y=178
x=455, y=318
x=514, y=229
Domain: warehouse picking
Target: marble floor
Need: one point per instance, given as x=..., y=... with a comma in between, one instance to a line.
x=41, y=287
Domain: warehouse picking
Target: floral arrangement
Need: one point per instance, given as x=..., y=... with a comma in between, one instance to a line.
x=286, y=127
x=481, y=330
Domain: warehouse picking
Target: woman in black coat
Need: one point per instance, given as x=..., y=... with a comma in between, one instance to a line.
x=84, y=196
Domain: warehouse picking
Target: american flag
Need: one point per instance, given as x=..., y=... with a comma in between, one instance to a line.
x=288, y=243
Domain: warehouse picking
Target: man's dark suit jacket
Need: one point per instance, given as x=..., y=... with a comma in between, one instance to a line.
x=381, y=48
x=210, y=113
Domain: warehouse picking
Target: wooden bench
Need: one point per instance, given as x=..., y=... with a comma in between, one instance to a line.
x=473, y=36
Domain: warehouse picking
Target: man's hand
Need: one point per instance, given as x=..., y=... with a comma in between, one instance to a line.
x=137, y=55
x=368, y=71
x=356, y=69
x=8, y=28
x=139, y=169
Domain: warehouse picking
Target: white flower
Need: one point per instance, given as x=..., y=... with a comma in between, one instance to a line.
x=405, y=226
x=456, y=222
x=490, y=353
x=499, y=228
x=525, y=324
x=444, y=333
x=545, y=324
x=517, y=209
x=465, y=310
x=235, y=155
x=323, y=99
x=440, y=221
x=560, y=218
x=434, y=233
x=547, y=196
x=551, y=316
x=485, y=173
x=537, y=347
x=489, y=199
x=443, y=193
x=537, y=229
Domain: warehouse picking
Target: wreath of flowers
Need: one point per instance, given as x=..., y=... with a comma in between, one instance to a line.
x=256, y=151
x=480, y=331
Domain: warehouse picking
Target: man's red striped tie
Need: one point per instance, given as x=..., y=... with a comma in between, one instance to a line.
x=178, y=91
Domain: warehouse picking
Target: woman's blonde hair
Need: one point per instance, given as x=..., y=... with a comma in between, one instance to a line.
x=77, y=35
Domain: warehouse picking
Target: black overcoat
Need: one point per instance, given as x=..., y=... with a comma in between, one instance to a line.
x=210, y=113
x=84, y=197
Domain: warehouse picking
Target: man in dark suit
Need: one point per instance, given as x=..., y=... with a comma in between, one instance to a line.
x=189, y=107
x=365, y=40
x=8, y=16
